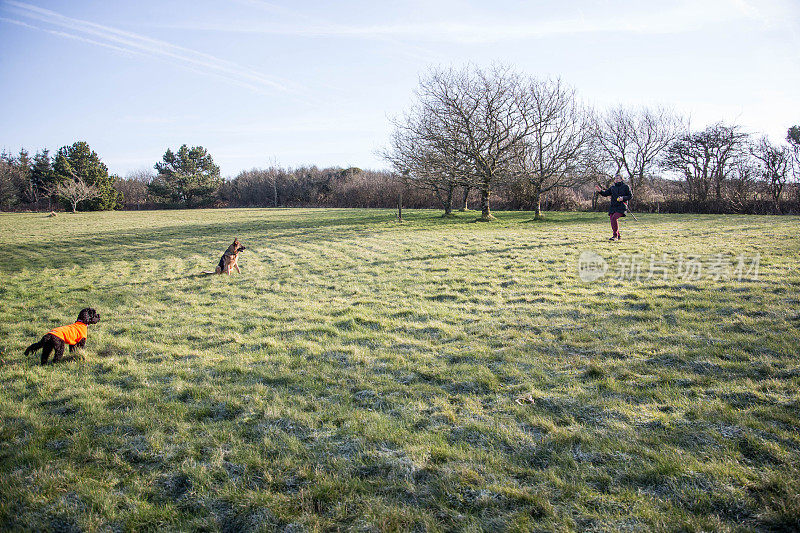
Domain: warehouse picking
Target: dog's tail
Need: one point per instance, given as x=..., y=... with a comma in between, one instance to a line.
x=33, y=347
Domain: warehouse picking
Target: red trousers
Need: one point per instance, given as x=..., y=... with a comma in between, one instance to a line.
x=614, y=224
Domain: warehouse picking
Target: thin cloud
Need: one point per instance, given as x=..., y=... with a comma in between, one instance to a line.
x=677, y=17
x=128, y=42
x=66, y=35
x=315, y=27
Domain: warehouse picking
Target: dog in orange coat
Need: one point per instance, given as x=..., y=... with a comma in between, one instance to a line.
x=73, y=335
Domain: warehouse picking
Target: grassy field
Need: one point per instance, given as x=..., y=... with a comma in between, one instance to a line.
x=438, y=375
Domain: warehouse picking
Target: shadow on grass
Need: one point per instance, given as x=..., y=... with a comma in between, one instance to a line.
x=470, y=253
x=181, y=240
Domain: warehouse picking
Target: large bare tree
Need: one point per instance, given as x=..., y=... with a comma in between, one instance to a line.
x=554, y=152
x=481, y=115
x=423, y=151
x=632, y=140
x=704, y=159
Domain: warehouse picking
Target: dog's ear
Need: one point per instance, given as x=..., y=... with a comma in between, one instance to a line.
x=88, y=316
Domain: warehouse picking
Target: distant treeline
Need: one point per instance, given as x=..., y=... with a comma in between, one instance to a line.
x=353, y=187
x=716, y=170
x=356, y=188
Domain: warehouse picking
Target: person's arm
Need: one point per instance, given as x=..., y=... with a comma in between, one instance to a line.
x=606, y=192
x=627, y=196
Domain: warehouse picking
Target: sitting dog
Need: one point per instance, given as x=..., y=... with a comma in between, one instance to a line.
x=73, y=335
x=230, y=259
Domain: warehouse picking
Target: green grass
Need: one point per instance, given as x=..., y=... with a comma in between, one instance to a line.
x=362, y=374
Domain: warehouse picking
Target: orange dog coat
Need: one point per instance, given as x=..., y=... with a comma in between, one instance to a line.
x=71, y=334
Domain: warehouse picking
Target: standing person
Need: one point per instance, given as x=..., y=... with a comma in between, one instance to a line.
x=620, y=193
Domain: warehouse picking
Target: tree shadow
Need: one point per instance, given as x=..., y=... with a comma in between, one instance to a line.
x=431, y=257
x=176, y=241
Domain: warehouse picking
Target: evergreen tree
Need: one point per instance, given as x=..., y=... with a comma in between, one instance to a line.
x=23, y=161
x=188, y=176
x=23, y=165
x=79, y=161
x=41, y=177
x=793, y=138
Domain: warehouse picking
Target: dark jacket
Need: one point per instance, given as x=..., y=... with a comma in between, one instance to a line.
x=615, y=191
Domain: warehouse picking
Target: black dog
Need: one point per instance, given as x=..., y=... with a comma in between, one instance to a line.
x=73, y=335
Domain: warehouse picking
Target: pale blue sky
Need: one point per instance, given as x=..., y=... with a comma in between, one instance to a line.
x=303, y=82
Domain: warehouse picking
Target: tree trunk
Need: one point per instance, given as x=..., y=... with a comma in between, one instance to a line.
x=776, y=196
x=448, y=204
x=537, y=197
x=485, y=213
x=464, y=205
x=400, y=205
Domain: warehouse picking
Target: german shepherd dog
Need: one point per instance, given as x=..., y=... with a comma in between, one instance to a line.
x=230, y=259
x=73, y=335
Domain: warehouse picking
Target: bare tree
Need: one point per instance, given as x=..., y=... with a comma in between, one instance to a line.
x=775, y=167
x=255, y=186
x=463, y=204
x=75, y=191
x=704, y=159
x=554, y=153
x=424, y=153
x=728, y=144
x=481, y=114
x=741, y=183
x=9, y=179
x=632, y=141
x=134, y=186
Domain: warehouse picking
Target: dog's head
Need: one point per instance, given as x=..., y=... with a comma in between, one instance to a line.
x=88, y=316
x=235, y=248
